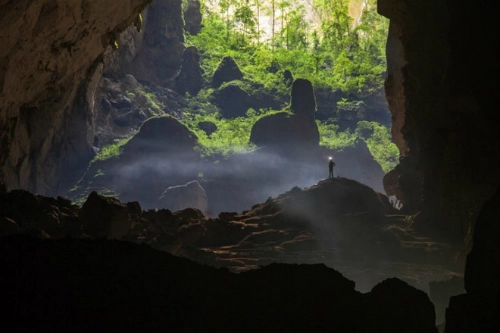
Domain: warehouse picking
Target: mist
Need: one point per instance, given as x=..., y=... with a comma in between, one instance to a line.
x=235, y=183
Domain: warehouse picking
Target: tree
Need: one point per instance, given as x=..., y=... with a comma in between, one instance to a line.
x=258, y=4
x=245, y=15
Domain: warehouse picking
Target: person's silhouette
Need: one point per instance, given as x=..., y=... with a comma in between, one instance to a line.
x=331, y=164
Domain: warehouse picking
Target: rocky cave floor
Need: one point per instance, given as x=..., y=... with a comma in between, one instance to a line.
x=338, y=222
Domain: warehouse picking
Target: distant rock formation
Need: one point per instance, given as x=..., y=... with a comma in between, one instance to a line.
x=357, y=162
x=232, y=100
x=161, y=134
x=290, y=132
x=160, y=55
x=190, y=195
x=302, y=100
x=190, y=79
x=227, y=71
x=193, y=17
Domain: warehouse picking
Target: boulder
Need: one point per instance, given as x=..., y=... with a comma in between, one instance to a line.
x=161, y=134
x=290, y=132
x=232, y=100
x=130, y=82
x=190, y=78
x=207, y=127
x=190, y=195
x=284, y=131
x=102, y=216
x=227, y=71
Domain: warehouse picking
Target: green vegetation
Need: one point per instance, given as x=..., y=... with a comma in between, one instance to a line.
x=110, y=151
x=379, y=142
x=376, y=136
x=232, y=135
x=334, y=52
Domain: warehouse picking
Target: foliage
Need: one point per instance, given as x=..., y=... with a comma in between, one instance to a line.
x=378, y=140
x=331, y=137
x=111, y=151
x=336, y=54
x=376, y=136
x=232, y=135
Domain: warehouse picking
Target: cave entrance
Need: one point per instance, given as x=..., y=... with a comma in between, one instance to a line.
x=237, y=65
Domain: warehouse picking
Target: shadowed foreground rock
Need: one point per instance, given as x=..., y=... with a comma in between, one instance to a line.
x=479, y=309
x=98, y=285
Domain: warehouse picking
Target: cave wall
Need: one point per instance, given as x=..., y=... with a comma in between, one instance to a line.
x=442, y=92
x=152, y=53
x=50, y=63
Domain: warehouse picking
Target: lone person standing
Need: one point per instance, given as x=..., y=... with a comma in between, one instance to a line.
x=331, y=164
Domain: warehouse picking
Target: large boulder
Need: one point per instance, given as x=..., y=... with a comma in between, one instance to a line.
x=190, y=195
x=285, y=131
x=227, y=71
x=190, y=79
x=232, y=100
x=160, y=135
x=290, y=131
x=104, y=217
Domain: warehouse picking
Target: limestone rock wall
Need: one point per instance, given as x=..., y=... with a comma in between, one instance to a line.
x=49, y=68
x=441, y=88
